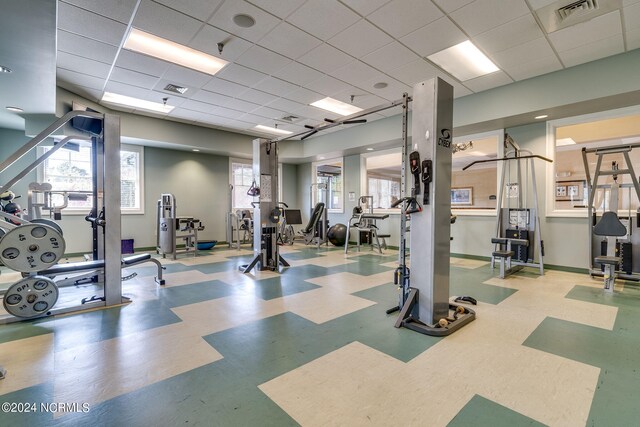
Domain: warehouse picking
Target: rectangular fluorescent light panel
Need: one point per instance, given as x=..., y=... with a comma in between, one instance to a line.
x=336, y=106
x=138, y=104
x=160, y=48
x=564, y=141
x=463, y=61
x=273, y=130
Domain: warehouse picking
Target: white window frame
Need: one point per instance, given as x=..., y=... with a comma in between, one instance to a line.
x=364, y=180
x=552, y=125
x=124, y=211
x=314, y=175
x=233, y=160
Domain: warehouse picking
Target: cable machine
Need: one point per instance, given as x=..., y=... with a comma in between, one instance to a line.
x=518, y=241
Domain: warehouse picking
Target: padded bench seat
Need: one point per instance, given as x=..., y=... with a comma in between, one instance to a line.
x=609, y=260
x=503, y=254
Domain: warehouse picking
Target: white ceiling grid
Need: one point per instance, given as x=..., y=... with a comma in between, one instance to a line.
x=300, y=51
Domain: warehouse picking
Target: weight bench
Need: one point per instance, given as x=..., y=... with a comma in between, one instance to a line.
x=504, y=254
x=309, y=232
x=365, y=222
x=75, y=267
x=609, y=226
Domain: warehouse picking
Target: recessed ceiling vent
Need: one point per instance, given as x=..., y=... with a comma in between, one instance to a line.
x=176, y=89
x=565, y=13
x=290, y=118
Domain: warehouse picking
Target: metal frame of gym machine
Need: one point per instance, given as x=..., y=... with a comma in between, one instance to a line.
x=107, y=244
x=592, y=187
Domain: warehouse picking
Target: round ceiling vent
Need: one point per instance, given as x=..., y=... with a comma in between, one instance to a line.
x=244, y=21
x=380, y=85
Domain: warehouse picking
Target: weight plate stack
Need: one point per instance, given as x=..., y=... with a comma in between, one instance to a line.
x=31, y=297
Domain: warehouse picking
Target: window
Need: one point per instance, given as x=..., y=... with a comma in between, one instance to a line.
x=567, y=193
x=72, y=171
x=329, y=174
x=383, y=177
x=241, y=179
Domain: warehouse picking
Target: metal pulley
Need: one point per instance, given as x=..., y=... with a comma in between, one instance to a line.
x=31, y=297
x=31, y=247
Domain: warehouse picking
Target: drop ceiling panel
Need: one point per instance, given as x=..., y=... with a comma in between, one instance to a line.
x=537, y=4
x=82, y=46
x=241, y=75
x=193, y=105
x=134, y=78
x=434, y=37
x=315, y=113
x=275, y=86
x=269, y=113
x=91, y=25
x=303, y=95
x=256, y=96
x=513, y=33
x=585, y=33
x=285, y=105
x=400, y=17
x=158, y=95
x=223, y=19
x=518, y=55
x=360, y=39
x=189, y=115
x=393, y=91
x=450, y=5
x=186, y=77
x=166, y=23
x=365, y=7
x=536, y=67
x=88, y=93
x=211, y=98
x=324, y=19
x=224, y=87
x=226, y=113
x=483, y=15
x=199, y=9
x=389, y=57
x=252, y=118
x=356, y=71
x=362, y=98
x=298, y=74
x=281, y=8
x=592, y=51
x=489, y=81
x=82, y=65
x=79, y=79
x=327, y=85
x=141, y=63
x=325, y=58
x=173, y=97
x=241, y=105
x=118, y=10
x=208, y=38
x=289, y=41
x=415, y=72
x=259, y=58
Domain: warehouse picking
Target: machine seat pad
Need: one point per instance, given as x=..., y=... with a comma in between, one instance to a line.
x=135, y=259
x=499, y=240
x=610, y=225
x=611, y=260
x=384, y=235
x=503, y=254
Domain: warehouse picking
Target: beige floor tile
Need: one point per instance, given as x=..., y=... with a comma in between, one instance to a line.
x=467, y=263
x=324, y=304
x=350, y=282
x=28, y=362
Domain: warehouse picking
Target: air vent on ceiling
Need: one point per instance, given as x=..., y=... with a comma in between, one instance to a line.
x=176, y=89
x=565, y=13
x=290, y=118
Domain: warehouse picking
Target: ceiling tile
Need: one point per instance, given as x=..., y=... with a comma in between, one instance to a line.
x=280, y=8
x=82, y=46
x=158, y=94
x=252, y=118
x=134, y=78
x=327, y=85
x=450, y=5
x=315, y=113
x=208, y=38
x=223, y=19
x=241, y=105
x=415, y=72
x=534, y=68
x=91, y=25
x=199, y=9
x=226, y=112
x=400, y=17
x=365, y=7
x=585, y=33
x=85, y=92
x=632, y=17
x=303, y=96
x=592, y=51
x=82, y=65
x=513, y=33
x=242, y=75
x=193, y=105
x=166, y=23
x=298, y=74
x=389, y=57
x=458, y=88
x=285, y=105
x=275, y=86
x=263, y=60
x=633, y=39
x=526, y=52
x=174, y=98
x=129, y=90
x=189, y=115
x=483, y=15
x=537, y=4
x=186, y=77
x=79, y=79
x=393, y=91
x=361, y=99
x=360, y=39
x=211, y=98
x=257, y=96
x=268, y=113
x=356, y=71
x=224, y=87
x=289, y=41
x=499, y=78
x=434, y=37
x=141, y=63
x=118, y=10
x=325, y=58
x=324, y=19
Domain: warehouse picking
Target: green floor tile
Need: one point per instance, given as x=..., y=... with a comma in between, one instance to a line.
x=189, y=294
x=483, y=412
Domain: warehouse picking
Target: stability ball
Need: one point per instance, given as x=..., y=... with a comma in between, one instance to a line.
x=337, y=234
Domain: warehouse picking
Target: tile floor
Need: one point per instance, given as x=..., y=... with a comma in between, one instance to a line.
x=314, y=347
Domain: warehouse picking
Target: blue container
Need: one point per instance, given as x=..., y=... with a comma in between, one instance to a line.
x=205, y=245
x=127, y=246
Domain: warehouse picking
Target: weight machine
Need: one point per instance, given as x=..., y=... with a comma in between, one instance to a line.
x=170, y=229
x=365, y=224
x=33, y=246
x=318, y=233
x=518, y=241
